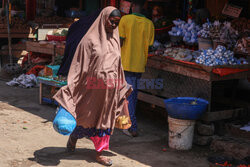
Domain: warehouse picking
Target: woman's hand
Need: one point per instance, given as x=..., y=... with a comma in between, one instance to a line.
x=130, y=90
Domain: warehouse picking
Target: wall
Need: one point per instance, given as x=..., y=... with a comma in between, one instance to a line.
x=216, y=6
x=91, y=5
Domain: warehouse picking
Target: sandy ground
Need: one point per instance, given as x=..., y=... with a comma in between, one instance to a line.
x=27, y=139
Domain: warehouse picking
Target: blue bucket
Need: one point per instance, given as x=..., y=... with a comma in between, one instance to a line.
x=187, y=108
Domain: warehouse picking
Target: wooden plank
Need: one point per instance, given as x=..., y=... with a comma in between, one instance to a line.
x=21, y=46
x=40, y=48
x=220, y=115
x=16, y=53
x=240, y=75
x=17, y=35
x=208, y=116
x=183, y=70
x=176, y=85
x=197, y=66
x=151, y=99
x=233, y=102
x=199, y=72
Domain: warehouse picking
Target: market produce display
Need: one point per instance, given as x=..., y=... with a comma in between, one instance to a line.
x=57, y=35
x=188, y=31
x=181, y=54
x=243, y=45
x=241, y=24
x=215, y=30
x=228, y=35
x=219, y=56
x=157, y=48
x=177, y=30
x=221, y=32
x=205, y=31
x=58, y=32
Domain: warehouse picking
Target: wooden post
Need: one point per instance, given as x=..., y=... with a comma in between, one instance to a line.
x=29, y=58
x=210, y=96
x=41, y=93
x=0, y=63
x=54, y=54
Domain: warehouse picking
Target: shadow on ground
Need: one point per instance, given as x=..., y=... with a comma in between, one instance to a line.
x=146, y=149
x=26, y=99
x=51, y=156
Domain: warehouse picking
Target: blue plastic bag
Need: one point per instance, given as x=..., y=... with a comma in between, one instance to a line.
x=64, y=123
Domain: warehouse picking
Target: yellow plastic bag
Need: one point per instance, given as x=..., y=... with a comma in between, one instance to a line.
x=123, y=120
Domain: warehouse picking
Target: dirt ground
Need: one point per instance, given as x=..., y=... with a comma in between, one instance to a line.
x=27, y=139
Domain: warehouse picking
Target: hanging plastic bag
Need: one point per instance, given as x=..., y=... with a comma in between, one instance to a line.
x=123, y=121
x=64, y=123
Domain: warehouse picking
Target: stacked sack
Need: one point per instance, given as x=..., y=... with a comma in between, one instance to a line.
x=228, y=35
x=220, y=32
x=205, y=31
x=243, y=45
x=215, y=30
x=177, y=30
x=189, y=31
x=219, y=56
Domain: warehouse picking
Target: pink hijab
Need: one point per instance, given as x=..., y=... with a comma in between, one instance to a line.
x=93, y=95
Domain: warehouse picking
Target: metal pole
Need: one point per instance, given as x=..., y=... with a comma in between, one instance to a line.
x=8, y=28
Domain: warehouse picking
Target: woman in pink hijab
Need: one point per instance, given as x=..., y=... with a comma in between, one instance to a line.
x=96, y=90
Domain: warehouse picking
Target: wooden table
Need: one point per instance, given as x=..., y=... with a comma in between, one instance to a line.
x=49, y=83
x=187, y=80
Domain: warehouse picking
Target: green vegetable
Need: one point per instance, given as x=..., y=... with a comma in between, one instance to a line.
x=64, y=32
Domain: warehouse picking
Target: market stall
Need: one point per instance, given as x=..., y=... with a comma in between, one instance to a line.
x=204, y=61
x=185, y=55
x=30, y=21
x=47, y=22
x=184, y=79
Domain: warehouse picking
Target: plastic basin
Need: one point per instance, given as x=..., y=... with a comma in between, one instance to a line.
x=185, y=108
